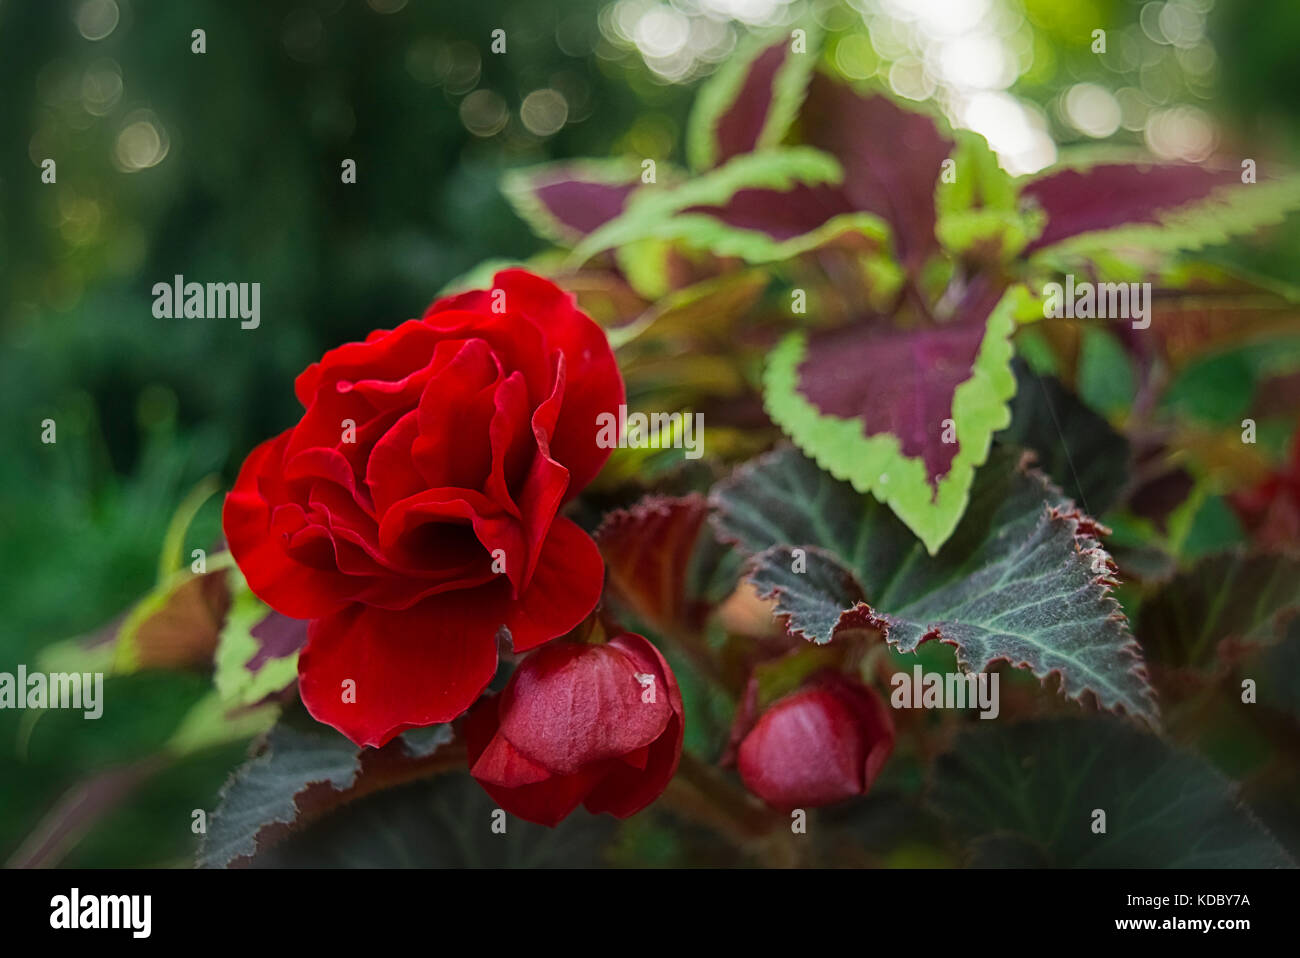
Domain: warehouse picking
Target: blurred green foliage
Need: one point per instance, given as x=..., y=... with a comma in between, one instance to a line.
x=249, y=190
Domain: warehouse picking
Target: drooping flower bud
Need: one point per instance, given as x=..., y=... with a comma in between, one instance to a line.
x=600, y=725
x=818, y=745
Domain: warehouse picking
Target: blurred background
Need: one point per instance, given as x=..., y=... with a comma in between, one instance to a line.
x=225, y=166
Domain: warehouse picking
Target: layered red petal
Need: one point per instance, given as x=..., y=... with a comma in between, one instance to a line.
x=373, y=673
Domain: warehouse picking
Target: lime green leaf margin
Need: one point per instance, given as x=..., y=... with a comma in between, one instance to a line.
x=979, y=204
x=876, y=464
x=656, y=213
x=236, y=685
x=1229, y=211
x=705, y=232
x=173, y=558
x=520, y=186
x=719, y=93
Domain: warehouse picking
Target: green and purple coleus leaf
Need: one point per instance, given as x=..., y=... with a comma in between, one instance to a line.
x=904, y=414
x=1098, y=203
x=978, y=213
x=876, y=168
x=935, y=190
x=889, y=163
x=761, y=207
x=904, y=400
x=1024, y=578
x=895, y=162
x=568, y=200
x=752, y=99
x=892, y=158
x=257, y=652
x=777, y=202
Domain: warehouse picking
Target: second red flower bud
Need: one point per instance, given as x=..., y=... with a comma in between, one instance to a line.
x=821, y=744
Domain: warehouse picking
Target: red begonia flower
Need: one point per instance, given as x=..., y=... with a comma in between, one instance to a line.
x=818, y=745
x=414, y=509
x=599, y=725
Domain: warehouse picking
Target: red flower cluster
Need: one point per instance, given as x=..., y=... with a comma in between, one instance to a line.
x=412, y=515
x=413, y=510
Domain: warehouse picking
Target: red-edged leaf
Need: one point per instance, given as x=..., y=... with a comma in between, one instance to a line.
x=998, y=779
x=663, y=563
x=1232, y=596
x=303, y=771
x=1023, y=579
x=891, y=156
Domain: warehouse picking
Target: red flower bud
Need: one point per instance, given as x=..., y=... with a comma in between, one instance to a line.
x=821, y=744
x=600, y=725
